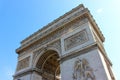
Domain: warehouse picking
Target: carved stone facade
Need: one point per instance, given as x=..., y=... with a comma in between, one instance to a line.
x=82, y=70
x=75, y=40
x=69, y=48
x=24, y=63
x=57, y=34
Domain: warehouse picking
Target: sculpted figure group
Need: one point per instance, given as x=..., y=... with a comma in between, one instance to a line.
x=82, y=70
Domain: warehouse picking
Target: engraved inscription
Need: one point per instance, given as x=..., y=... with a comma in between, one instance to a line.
x=23, y=63
x=75, y=40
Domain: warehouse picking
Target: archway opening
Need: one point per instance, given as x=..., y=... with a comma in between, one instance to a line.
x=49, y=65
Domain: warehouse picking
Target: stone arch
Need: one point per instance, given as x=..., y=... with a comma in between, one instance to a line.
x=44, y=50
x=75, y=34
x=49, y=65
x=55, y=49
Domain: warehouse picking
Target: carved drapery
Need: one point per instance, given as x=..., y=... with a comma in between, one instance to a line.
x=24, y=63
x=82, y=70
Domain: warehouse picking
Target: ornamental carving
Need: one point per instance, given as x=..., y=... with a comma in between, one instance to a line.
x=55, y=45
x=23, y=63
x=36, y=53
x=58, y=24
x=57, y=34
x=82, y=70
x=75, y=40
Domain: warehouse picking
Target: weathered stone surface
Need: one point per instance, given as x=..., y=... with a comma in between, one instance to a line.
x=24, y=63
x=69, y=48
x=75, y=40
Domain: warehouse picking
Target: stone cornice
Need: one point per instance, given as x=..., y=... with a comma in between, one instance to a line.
x=78, y=52
x=66, y=18
x=27, y=71
x=101, y=48
x=53, y=22
x=75, y=13
x=85, y=50
x=23, y=72
x=95, y=26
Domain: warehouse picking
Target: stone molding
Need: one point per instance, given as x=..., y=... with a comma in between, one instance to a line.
x=81, y=7
x=78, y=52
x=26, y=71
x=78, y=12
x=75, y=40
x=59, y=23
x=79, y=37
x=62, y=58
x=24, y=63
x=57, y=34
x=56, y=46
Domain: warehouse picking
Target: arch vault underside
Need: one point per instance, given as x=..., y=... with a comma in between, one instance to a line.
x=49, y=65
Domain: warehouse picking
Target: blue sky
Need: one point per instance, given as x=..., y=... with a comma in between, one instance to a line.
x=20, y=18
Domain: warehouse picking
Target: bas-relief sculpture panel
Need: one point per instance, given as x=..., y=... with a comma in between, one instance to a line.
x=82, y=70
x=53, y=37
x=59, y=23
x=57, y=34
x=24, y=63
x=75, y=40
x=55, y=44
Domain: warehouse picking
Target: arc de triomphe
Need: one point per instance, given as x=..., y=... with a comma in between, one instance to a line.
x=69, y=48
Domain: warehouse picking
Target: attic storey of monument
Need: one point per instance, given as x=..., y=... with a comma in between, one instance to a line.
x=68, y=46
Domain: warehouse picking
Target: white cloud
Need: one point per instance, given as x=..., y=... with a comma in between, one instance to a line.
x=100, y=10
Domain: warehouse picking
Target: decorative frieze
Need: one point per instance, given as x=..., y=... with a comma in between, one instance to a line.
x=57, y=24
x=57, y=34
x=75, y=40
x=70, y=36
x=24, y=63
